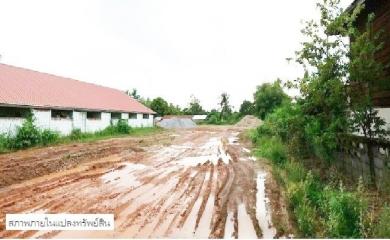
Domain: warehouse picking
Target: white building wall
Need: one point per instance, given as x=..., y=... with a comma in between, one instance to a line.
x=385, y=114
x=79, y=120
x=43, y=120
x=125, y=116
x=63, y=126
x=141, y=122
x=150, y=121
x=9, y=125
x=93, y=125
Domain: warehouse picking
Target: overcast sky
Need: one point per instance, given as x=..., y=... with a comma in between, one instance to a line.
x=170, y=48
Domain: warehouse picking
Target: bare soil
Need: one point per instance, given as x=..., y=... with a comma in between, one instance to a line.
x=198, y=183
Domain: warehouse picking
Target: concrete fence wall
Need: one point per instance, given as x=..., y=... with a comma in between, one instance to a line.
x=353, y=160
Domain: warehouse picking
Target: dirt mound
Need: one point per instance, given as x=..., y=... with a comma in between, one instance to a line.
x=177, y=123
x=249, y=121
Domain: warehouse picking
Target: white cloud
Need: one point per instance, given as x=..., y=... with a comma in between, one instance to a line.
x=170, y=48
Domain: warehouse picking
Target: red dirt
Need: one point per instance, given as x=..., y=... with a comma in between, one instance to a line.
x=185, y=189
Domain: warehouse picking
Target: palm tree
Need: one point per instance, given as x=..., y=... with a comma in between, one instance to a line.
x=225, y=108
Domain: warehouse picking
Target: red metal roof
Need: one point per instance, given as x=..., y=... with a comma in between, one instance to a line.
x=19, y=86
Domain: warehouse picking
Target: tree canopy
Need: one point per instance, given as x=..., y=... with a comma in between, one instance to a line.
x=268, y=97
x=246, y=108
x=194, y=108
x=160, y=106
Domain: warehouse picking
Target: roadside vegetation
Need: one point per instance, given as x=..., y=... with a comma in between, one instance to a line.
x=29, y=135
x=301, y=136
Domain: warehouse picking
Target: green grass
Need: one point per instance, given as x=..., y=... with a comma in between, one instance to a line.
x=318, y=208
x=91, y=137
x=28, y=135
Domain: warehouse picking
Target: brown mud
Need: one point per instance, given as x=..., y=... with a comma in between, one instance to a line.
x=199, y=183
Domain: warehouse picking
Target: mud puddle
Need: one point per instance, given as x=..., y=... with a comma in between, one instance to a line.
x=203, y=185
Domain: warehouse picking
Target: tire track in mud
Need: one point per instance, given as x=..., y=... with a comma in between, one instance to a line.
x=199, y=187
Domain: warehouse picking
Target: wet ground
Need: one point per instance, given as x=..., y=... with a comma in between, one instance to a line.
x=199, y=183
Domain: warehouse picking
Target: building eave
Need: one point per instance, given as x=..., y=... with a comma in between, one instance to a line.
x=68, y=108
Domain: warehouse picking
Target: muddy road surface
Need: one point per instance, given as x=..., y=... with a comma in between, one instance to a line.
x=202, y=183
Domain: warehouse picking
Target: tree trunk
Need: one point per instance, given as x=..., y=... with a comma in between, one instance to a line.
x=371, y=160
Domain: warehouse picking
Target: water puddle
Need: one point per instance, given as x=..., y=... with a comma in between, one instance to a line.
x=211, y=151
x=262, y=211
x=246, y=150
x=233, y=140
x=245, y=225
x=204, y=228
x=123, y=177
x=188, y=229
x=229, y=226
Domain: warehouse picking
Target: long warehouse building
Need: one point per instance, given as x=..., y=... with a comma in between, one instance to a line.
x=63, y=104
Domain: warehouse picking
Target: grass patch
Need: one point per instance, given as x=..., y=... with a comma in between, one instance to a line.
x=318, y=208
x=28, y=135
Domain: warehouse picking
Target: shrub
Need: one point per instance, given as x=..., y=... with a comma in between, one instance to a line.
x=344, y=213
x=273, y=149
x=4, y=143
x=123, y=127
x=287, y=123
x=229, y=118
x=304, y=212
x=305, y=195
x=76, y=134
x=48, y=137
x=382, y=229
x=27, y=135
x=306, y=216
x=307, y=189
x=213, y=119
x=296, y=171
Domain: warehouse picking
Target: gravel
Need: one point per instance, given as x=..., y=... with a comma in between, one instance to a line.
x=177, y=123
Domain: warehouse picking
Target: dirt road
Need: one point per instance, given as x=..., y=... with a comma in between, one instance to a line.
x=189, y=184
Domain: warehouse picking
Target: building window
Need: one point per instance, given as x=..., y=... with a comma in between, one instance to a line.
x=116, y=115
x=94, y=115
x=145, y=116
x=13, y=112
x=132, y=116
x=61, y=114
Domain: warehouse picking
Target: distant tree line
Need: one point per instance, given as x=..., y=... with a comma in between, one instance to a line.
x=267, y=97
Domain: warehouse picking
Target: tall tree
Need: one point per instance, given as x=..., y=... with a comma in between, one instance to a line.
x=225, y=106
x=134, y=94
x=366, y=74
x=194, y=108
x=268, y=97
x=246, y=108
x=160, y=106
x=174, y=109
x=323, y=94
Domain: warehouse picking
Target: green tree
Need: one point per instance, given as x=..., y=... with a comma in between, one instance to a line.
x=174, y=109
x=225, y=106
x=268, y=97
x=366, y=74
x=324, y=99
x=147, y=102
x=134, y=94
x=246, y=108
x=194, y=108
x=160, y=106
